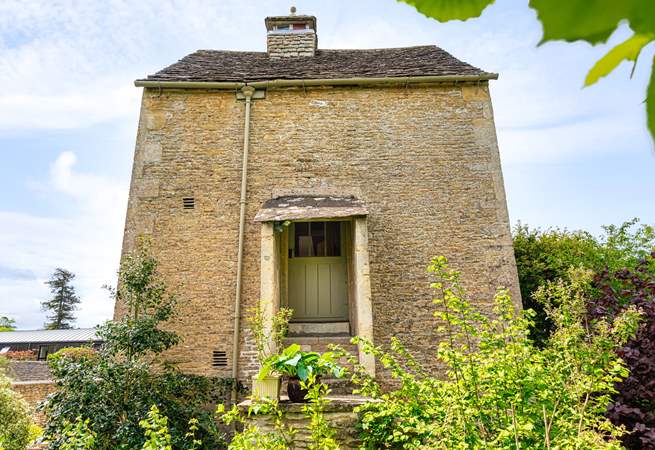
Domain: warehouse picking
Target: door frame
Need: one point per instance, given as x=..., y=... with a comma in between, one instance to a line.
x=359, y=292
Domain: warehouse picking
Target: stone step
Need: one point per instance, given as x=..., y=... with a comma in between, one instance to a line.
x=319, y=329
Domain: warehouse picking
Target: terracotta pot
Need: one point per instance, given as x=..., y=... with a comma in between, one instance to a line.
x=268, y=387
x=295, y=392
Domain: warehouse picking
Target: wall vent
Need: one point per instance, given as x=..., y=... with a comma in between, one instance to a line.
x=219, y=358
x=188, y=202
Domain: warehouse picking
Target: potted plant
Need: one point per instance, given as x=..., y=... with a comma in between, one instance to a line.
x=268, y=385
x=301, y=367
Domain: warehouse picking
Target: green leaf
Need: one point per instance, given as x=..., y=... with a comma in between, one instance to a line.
x=302, y=372
x=593, y=21
x=293, y=361
x=642, y=16
x=627, y=50
x=445, y=10
x=650, y=102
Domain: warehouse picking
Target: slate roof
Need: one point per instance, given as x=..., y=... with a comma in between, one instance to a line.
x=36, y=336
x=231, y=66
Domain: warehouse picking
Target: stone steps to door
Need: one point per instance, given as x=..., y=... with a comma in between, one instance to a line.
x=319, y=328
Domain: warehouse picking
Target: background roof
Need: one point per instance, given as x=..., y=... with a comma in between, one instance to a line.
x=35, y=336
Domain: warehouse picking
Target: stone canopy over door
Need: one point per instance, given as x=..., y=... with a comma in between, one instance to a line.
x=314, y=259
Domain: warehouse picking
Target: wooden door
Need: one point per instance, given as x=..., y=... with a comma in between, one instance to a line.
x=317, y=272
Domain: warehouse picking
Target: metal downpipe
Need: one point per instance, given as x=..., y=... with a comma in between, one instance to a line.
x=247, y=92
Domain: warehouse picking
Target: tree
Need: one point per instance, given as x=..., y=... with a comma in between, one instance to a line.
x=116, y=387
x=575, y=20
x=64, y=301
x=7, y=324
x=547, y=255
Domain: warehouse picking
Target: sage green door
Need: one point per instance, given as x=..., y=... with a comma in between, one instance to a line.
x=317, y=272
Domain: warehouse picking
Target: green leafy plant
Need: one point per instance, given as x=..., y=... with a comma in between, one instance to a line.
x=155, y=428
x=117, y=386
x=295, y=363
x=78, y=435
x=251, y=437
x=269, y=341
x=322, y=433
x=575, y=20
x=547, y=255
x=283, y=434
x=16, y=427
x=499, y=390
x=157, y=434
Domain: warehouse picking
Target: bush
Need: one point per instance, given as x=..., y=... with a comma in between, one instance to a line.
x=547, y=255
x=21, y=355
x=501, y=391
x=633, y=406
x=16, y=428
x=116, y=387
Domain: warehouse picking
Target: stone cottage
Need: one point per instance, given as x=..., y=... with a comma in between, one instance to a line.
x=320, y=179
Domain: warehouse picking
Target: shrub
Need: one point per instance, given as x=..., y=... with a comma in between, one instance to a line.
x=21, y=355
x=116, y=387
x=501, y=391
x=16, y=428
x=633, y=406
x=547, y=255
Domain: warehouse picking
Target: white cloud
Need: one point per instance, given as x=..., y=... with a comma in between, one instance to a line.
x=88, y=244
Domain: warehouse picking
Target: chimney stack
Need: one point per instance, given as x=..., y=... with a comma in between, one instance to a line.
x=291, y=36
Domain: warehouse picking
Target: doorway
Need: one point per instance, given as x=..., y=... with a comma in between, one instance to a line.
x=317, y=283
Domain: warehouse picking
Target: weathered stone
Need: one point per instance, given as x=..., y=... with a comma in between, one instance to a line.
x=423, y=158
x=338, y=413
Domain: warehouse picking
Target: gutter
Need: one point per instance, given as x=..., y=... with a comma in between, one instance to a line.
x=248, y=94
x=314, y=82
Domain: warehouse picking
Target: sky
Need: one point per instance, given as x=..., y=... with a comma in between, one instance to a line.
x=571, y=157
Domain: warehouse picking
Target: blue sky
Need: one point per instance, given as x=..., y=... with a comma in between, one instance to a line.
x=572, y=157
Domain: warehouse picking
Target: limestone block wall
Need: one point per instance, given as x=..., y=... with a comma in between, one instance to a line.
x=423, y=158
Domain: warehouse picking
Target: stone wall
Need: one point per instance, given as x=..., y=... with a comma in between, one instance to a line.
x=29, y=371
x=338, y=413
x=423, y=158
x=34, y=392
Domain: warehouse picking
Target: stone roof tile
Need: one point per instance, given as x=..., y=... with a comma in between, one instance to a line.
x=231, y=66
